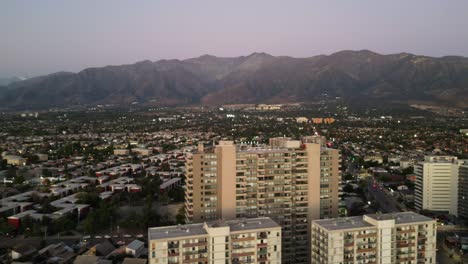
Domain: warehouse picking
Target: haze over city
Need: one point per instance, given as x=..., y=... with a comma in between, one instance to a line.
x=42, y=37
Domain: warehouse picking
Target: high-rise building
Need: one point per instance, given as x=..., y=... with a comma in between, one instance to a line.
x=404, y=237
x=463, y=190
x=256, y=240
x=290, y=182
x=436, y=187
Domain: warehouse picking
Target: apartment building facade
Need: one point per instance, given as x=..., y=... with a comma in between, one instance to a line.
x=256, y=240
x=405, y=237
x=290, y=182
x=463, y=190
x=436, y=186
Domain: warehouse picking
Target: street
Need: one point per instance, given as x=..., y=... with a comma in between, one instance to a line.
x=377, y=193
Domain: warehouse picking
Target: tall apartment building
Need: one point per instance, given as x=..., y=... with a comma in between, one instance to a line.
x=436, y=187
x=256, y=240
x=404, y=237
x=463, y=189
x=290, y=182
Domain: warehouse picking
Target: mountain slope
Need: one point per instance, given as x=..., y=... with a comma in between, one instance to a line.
x=259, y=77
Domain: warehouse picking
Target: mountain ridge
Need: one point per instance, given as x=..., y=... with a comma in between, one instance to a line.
x=257, y=78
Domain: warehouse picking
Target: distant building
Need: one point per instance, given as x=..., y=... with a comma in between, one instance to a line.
x=404, y=237
x=142, y=151
x=15, y=160
x=320, y=120
x=374, y=158
x=22, y=251
x=302, y=120
x=436, y=187
x=121, y=152
x=315, y=139
x=42, y=157
x=256, y=240
x=463, y=190
x=268, y=107
x=135, y=248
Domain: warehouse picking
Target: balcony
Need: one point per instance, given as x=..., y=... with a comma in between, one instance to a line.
x=243, y=254
x=193, y=252
x=362, y=250
x=366, y=235
x=411, y=230
x=196, y=244
x=242, y=239
x=195, y=260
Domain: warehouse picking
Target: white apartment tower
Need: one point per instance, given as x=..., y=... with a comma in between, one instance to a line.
x=437, y=184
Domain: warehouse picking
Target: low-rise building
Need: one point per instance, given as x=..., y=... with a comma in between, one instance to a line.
x=405, y=237
x=135, y=248
x=255, y=240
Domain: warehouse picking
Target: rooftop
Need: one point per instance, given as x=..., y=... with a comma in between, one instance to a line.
x=360, y=222
x=343, y=223
x=176, y=231
x=401, y=217
x=200, y=229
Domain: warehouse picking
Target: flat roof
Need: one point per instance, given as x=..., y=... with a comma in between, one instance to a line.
x=359, y=222
x=249, y=224
x=199, y=229
x=343, y=223
x=176, y=231
x=169, y=182
x=402, y=217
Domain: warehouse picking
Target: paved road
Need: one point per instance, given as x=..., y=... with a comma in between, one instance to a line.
x=386, y=202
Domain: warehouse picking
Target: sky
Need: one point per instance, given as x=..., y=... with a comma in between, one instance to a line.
x=42, y=37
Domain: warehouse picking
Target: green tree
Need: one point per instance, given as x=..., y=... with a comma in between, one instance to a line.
x=3, y=164
x=11, y=172
x=89, y=223
x=348, y=188
x=91, y=198
x=18, y=180
x=5, y=227
x=46, y=173
x=180, y=217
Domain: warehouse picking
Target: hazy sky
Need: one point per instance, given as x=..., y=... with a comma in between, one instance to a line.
x=40, y=37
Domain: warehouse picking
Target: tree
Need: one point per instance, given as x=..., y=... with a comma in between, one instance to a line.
x=407, y=171
x=91, y=198
x=180, y=217
x=89, y=223
x=5, y=227
x=3, y=164
x=46, y=173
x=11, y=172
x=18, y=180
x=177, y=194
x=348, y=188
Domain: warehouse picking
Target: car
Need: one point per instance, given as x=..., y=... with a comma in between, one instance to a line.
x=87, y=237
x=98, y=237
x=107, y=236
x=127, y=236
x=139, y=235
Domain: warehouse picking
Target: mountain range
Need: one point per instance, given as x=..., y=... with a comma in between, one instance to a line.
x=355, y=76
x=7, y=81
